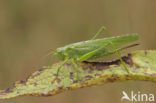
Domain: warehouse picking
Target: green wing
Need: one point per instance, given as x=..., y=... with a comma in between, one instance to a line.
x=81, y=48
x=117, y=41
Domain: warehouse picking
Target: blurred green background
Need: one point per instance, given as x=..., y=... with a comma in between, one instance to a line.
x=29, y=28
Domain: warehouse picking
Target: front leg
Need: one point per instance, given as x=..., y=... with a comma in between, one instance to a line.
x=61, y=65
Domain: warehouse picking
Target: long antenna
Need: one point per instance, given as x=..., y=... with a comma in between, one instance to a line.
x=52, y=59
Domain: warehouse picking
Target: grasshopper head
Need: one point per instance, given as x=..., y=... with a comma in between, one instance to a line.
x=60, y=54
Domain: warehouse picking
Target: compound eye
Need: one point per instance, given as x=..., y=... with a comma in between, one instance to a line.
x=71, y=47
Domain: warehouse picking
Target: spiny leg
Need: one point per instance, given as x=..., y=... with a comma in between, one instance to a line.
x=100, y=31
x=117, y=52
x=76, y=67
x=119, y=56
x=61, y=65
x=113, y=46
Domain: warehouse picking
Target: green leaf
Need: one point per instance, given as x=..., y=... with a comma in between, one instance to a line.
x=141, y=64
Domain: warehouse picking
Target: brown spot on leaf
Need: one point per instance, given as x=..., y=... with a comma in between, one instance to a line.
x=137, y=66
x=54, y=74
x=18, y=92
x=127, y=77
x=75, y=81
x=100, y=67
x=68, y=64
x=69, y=88
x=58, y=80
x=97, y=74
x=22, y=82
x=153, y=75
x=35, y=74
x=113, y=78
x=8, y=90
x=41, y=69
x=90, y=71
x=110, y=79
x=60, y=87
x=128, y=60
x=88, y=77
x=97, y=65
x=71, y=75
x=145, y=52
x=35, y=84
x=91, y=68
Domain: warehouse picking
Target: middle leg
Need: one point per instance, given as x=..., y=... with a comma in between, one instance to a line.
x=76, y=67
